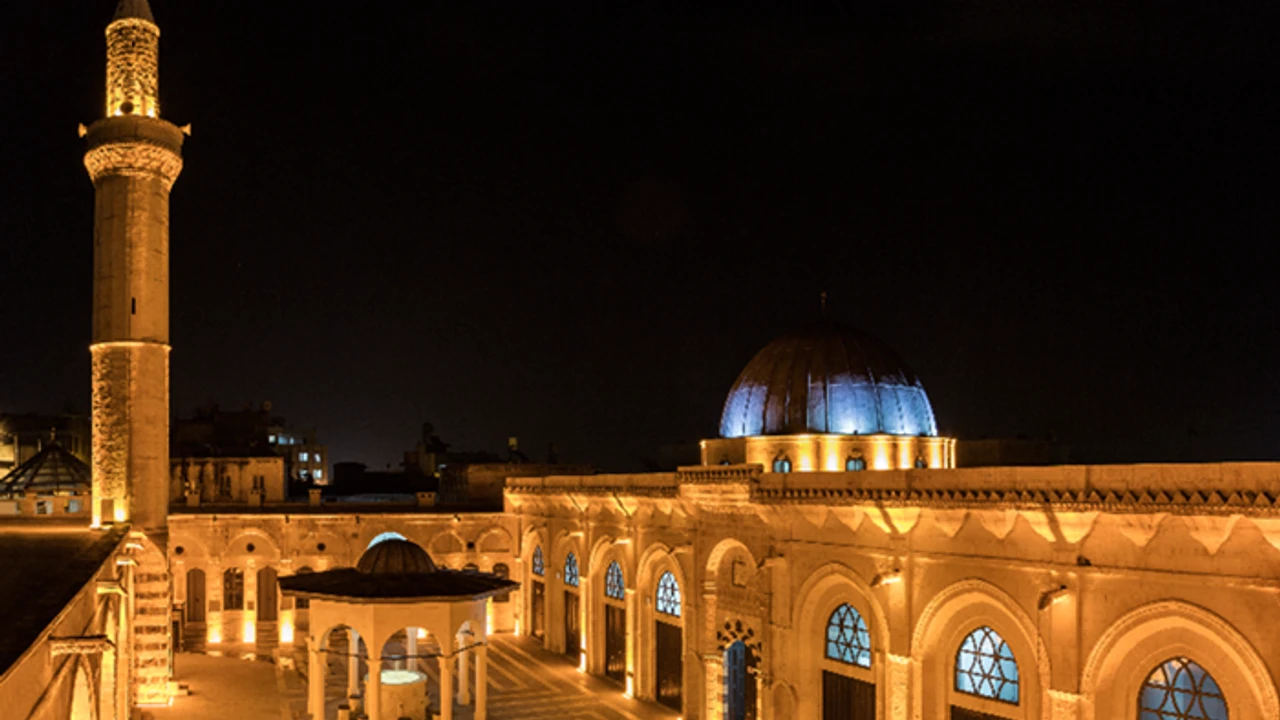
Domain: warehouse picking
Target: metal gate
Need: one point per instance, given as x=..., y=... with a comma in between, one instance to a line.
x=669, y=671
x=572, y=627
x=268, y=608
x=739, y=683
x=846, y=698
x=615, y=643
x=195, y=595
x=537, y=610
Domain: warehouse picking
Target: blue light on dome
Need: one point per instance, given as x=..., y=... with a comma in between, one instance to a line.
x=827, y=378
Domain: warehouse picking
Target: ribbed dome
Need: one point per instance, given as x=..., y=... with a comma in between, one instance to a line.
x=827, y=378
x=395, y=556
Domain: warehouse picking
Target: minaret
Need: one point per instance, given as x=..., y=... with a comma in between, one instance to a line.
x=133, y=158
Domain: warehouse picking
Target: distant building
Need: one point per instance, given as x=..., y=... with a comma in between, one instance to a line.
x=230, y=480
x=22, y=437
x=212, y=432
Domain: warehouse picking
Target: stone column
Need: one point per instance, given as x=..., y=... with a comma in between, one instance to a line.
x=315, y=679
x=446, y=687
x=411, y=648
x=464, y=682
x=373, y=687
x=482, y=682
x=353, y=663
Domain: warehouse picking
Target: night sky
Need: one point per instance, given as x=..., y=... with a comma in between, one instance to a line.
x=578, y=226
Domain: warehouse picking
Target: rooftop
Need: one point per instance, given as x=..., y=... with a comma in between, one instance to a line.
x=64, y=557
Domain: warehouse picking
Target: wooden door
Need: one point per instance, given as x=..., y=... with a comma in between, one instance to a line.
x=268, y=605
x=739, y=683
x=615, y=643
x=572, y=627
x=195, y=595
x=846, y=698
x=537, y=609
x=669, y=671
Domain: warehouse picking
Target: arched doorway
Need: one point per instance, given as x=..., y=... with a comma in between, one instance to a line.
x=537, y=596
x=739, y=683
x=615, y=624
x=195, y=606
x=268, y=604
x=669, y=643
x=572, y=610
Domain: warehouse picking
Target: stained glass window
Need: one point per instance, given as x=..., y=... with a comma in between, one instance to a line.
x=782, y=464
x=571, y=570
x=668, y=595
x=1179, y=689
x=847, y=638
x=985, y=667
x=614, y=586
x=855, y=464
x=537, y=562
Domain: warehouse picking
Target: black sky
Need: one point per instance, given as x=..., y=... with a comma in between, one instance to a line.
x=577, y=226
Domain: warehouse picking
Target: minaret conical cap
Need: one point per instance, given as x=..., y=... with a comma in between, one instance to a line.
x=140, y=9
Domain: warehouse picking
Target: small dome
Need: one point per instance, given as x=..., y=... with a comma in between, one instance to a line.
x=827, y=378
x=52, y=471
x=395, y=556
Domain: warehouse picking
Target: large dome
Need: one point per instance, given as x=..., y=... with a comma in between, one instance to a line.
x=827, y=378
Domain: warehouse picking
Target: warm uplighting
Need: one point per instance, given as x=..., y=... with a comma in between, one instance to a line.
x=250, y=631
x=488, y=617
x=889, y=578
x=402, y=677
x=286, y=631
x=214, y=634
x=1053, y=597
x=422, y=633
x=630, y=694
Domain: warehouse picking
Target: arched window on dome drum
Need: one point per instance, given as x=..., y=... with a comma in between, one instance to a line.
x=669, y=595
x=855, y=463
x=538, y=568
x=782, y=464
x=1179, y=689
x=847, y=638
x=921, y=463
x=615, y=587
x=571, y=570
x=985, y=667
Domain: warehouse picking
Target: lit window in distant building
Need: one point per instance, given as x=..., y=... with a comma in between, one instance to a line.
x=73, y=505
x=319, y=474
x=304, y=474
x=782, y=464
x=855, y=464
x=303, y=456
x=259, y=482
x=271, y=439
x=921, y=463
x=317, y=458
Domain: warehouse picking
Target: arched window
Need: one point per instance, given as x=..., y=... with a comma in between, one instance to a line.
x=385, y=537
x=782, y=464
x=855, y=463
x=1179, y=689
x=538, y=569
x=921, y=463
x=304, y=603
x=233, y=589
x=502, y=571
x=668, y=595
x=847, y=638
x=614, y=586
x=985, y=667
x=571, y=570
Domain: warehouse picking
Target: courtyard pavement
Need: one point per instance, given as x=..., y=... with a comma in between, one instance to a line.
x=525, y=683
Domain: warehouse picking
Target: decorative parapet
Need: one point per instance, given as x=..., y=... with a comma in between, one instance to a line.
x=719, y=474
x=1174, y=502
x=644, y=485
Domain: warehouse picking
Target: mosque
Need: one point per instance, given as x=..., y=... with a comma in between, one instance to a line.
x=826, y=558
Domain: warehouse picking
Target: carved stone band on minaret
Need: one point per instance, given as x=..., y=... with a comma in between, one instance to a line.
x=134, y=146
